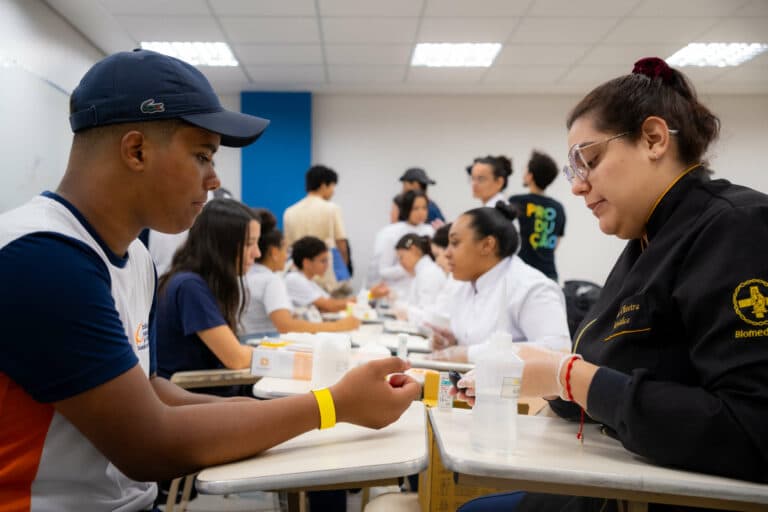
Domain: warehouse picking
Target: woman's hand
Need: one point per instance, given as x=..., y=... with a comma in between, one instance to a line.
x=466, y=388
x=456, y=353
x=379, y=290
x=442, y=337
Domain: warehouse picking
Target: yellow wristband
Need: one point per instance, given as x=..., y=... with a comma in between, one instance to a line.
x=326, y=407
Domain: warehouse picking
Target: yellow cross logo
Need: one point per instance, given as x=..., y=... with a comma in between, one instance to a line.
x=754, y=307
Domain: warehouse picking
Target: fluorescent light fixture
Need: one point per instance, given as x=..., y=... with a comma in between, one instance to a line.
x=195, y=53
x=455, y=55
x=717, y=55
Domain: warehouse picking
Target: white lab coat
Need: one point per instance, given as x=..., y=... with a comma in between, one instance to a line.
x=513, y=297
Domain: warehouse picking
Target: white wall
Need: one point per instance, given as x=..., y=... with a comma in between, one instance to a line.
x=41, y=60
x=371, y=140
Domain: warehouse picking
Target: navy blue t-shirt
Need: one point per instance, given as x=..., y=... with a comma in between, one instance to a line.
x=186, y=306
x=542, y=223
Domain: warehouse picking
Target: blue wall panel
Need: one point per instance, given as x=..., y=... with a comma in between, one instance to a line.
x=273, y=167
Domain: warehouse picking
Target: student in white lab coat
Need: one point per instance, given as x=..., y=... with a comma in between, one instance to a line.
x=412, y=217
x=489, y=176
x=499, y=291
x=415, y=256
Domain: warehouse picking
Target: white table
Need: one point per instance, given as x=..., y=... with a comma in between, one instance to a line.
x=271, y=387
x=345, y=455
x=549, y=459
x=374, y=333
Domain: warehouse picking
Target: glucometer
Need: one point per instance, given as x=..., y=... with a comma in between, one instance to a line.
x=455, y=377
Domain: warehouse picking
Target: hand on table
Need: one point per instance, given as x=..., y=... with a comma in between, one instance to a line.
x=442, y=337
x=466, y=390
x=379, y=290
x=455, y=353
x=364, y=396
x=349, y=323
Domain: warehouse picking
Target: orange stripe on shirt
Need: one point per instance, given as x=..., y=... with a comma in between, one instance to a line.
x=24, y=425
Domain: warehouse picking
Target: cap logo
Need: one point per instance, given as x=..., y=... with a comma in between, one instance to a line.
x=150, y=107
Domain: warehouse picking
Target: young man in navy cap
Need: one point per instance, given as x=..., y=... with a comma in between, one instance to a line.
x=416, y=178
x=85, y=424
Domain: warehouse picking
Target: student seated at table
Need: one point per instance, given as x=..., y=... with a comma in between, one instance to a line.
x=86, y=424
x=199, y=299
x=415, y=256
x=412, y=215
x=671, y=359
x=498, y=290
x=439, y=244
x=268, y=307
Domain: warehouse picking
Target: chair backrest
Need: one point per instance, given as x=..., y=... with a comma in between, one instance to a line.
x=580, y=296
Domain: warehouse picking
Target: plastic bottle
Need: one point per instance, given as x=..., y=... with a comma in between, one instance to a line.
x=498, y=372
x=331, y=358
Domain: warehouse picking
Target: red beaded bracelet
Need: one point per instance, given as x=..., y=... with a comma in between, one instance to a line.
x=580, y=434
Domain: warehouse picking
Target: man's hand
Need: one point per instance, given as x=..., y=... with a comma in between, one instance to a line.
x=371, y=396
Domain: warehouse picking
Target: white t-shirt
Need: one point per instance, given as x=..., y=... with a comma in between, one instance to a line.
x=384, y=264
x=491, y=203
x=427, y=284
x=302, y=291
x=514, y=297
x=267, y=293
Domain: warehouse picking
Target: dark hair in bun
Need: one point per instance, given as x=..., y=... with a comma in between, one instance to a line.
x=502, y=166
x=652, y=89
x=496, y=222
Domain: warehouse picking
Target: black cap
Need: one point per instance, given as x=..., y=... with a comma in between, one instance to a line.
x=417, y=174
x=143, y=85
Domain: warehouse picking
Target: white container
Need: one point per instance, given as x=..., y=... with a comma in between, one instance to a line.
x=498, y=373
x=331, y=359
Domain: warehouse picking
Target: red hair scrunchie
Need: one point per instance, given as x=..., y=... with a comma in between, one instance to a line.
x=653, y=67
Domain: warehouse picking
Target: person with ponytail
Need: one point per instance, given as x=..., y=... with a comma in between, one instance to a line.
x=498, y=291
x=674, y=355
x=415, y=255
x=489, y=176
x=268, y=308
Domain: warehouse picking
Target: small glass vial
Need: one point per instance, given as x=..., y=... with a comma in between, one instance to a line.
x=402, y=346
x=444, y=398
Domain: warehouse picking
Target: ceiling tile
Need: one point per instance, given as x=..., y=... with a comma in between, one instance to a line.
x=463, y=30
x=264, y=54
x=738, y=30
x=755, y=70
x=687, y=8
x=151, y=8
x=234, y=8
x=481, y=8
x=282, y=74
x=449, y=75
x=368, y=54
x=627, y=54
x=700, y=76
x=526, y=75
x=539, y=54
x=562, y=30
x=272, y=30
x=592, y=76
x=172, y=28
x=581, y=9
x=369, y=30
x=659, y=30
x=366, y=74
x=753, y=8
x=364, y=8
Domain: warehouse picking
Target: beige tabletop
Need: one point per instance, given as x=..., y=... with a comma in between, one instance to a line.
x=549, y=458
x=344, y=454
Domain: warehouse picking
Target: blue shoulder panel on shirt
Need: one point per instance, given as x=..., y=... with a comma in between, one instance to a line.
x=62, y=333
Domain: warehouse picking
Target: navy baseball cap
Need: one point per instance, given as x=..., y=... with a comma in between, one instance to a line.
x=143, y=85
x=417, y=174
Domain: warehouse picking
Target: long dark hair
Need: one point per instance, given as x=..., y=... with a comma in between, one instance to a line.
x=214, y=251
x=622, y=104
x=422, y=243
x=496, y=222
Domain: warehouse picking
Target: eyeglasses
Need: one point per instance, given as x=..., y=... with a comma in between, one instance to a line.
x=582, y=157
